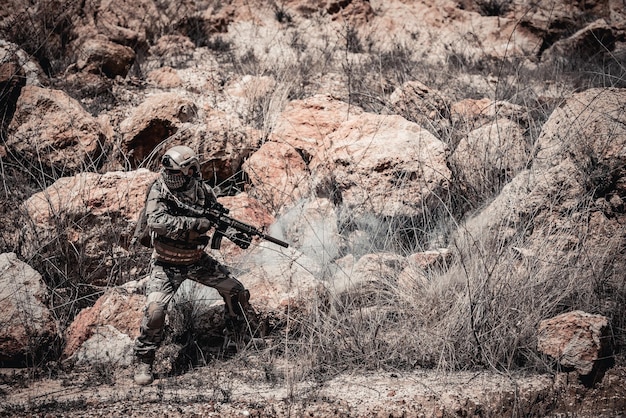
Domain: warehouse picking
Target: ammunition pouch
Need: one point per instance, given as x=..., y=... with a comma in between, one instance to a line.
x=171, y=254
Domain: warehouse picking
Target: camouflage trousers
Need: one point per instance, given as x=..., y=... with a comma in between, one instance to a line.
x=165, y=279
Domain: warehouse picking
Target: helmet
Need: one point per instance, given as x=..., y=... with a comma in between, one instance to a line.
x=180, y=164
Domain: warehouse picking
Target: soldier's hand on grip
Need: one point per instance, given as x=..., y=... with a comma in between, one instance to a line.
x=201, y=225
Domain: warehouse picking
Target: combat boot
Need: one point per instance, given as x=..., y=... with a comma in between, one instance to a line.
x=143, y=373
x=241, y=332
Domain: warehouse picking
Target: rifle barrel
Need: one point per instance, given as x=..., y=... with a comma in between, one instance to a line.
x=275, y=241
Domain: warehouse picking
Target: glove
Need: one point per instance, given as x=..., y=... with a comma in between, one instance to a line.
x=201, y=225
x=242, y=240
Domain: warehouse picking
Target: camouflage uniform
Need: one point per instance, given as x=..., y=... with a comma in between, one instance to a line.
x=178, y=255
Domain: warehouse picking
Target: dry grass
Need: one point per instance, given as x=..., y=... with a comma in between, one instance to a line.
x=480, y=312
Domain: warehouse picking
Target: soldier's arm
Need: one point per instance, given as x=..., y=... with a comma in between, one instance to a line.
x=162, y=222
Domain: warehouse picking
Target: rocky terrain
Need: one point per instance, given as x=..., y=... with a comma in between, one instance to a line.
x=450, y=176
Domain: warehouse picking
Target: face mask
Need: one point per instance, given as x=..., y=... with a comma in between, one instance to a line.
x=174, y=179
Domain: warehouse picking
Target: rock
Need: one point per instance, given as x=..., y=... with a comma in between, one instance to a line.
x=53, y=129
x=590, y=129
x=223, y=145
x=382, y=166
x=304, y=124
x=439, y=258
x=355, y=11
x=279, y=176
x=165, y=77
x=28, y=330
x=489, y=157
x=218, y=18
x=105, y=347
x=125, y=23
x=251, y=88
x=100, y=56
x=154, y=120
x=471, y=114
x=421, y=104
x=172, y=50
x=122, y=193
x=12, y=80
x=577, y=340
x=30, y=69
x=104, y=332
x=556, y=20
x=367, y=277
x=413, y=279
x=103, y=208
x=250, y=97
x=594, y=40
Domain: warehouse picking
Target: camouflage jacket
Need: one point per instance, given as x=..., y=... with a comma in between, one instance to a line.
x=171, y=224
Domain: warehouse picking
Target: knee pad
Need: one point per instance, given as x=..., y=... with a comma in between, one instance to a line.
x=237, y=303
x=243, y=297
x=155, y=314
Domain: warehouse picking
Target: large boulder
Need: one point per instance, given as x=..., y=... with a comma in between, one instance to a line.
x=551, y=231
x=577, y=341
x=580, y=157
x=279, y=175
x=53, y=129
x=594, y=40
x=95, y=213
x=556, y=20
x=383, y=166
x=489, y=157
x=116, y=192
x=154, y=120
x=305, y=123
x=27, y=327
x=224, y=143
x=590, y=129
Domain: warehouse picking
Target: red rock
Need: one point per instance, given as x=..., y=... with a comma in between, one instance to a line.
x=575, y=339
x=115, y=308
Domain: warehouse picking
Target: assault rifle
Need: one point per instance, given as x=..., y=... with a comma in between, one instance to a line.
x=217, y=214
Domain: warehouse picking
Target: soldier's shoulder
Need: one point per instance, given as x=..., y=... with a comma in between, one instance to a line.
x=156, y=187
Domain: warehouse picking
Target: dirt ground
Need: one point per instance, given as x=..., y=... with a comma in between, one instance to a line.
x=241, y=388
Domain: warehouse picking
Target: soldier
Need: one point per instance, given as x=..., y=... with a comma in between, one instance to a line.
x=179, y=240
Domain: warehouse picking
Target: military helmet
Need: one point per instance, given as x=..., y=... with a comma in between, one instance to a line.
x=183, y=159
x=180, y=164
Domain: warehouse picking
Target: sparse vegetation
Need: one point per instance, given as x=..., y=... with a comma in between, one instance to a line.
x=479, y=311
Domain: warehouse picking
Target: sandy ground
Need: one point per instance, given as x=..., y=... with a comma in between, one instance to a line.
x=250, y=390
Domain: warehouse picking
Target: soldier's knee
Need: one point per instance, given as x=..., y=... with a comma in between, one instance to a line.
x=243, y=297
x=155, y=315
